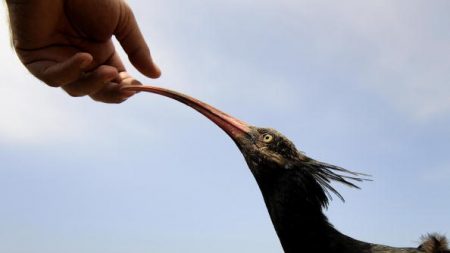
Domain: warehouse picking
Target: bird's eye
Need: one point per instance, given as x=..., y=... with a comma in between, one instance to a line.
x=267, y=138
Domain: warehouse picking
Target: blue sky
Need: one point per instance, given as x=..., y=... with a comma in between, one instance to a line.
x=364, y=85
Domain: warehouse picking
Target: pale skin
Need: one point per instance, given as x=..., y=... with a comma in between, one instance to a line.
x=67, y=44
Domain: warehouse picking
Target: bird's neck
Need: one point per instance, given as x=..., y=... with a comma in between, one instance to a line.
x=300, y=223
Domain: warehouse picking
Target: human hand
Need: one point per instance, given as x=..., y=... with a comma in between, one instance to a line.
x=67, y=44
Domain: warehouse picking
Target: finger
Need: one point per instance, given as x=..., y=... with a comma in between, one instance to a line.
x=113, y=92
x=127, y=80
x=110, y=93
x=132, y=41
x=92, y=82
x=61, y=73
x=115, y=61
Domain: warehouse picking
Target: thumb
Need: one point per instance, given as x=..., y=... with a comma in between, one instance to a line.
x=132, y=41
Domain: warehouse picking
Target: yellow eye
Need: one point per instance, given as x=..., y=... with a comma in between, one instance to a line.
x=267, y=138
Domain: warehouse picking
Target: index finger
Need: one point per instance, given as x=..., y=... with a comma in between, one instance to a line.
x=130, y=38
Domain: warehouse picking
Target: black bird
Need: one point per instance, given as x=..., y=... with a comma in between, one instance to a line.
x=295, y=187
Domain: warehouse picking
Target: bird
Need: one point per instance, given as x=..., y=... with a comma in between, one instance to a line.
x=295, y=188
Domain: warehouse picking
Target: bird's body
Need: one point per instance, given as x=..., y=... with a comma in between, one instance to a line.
x=295, y=187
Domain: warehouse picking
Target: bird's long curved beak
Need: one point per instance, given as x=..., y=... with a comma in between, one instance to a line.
x=235, y=128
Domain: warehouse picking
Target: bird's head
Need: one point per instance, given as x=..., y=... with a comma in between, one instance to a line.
x=266, y=149
x=269, y=154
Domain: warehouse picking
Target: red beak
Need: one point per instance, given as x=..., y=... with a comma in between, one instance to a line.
x=233, y=127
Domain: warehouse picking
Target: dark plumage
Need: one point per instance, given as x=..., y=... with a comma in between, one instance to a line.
x=295, y=187
x=434, y=243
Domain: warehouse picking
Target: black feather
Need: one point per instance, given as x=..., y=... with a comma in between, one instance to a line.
x=325, y=173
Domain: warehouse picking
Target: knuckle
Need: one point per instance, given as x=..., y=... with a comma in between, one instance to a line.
x=75, y=93
x=55, y=83
x=52, y=84
x=98, y=97
x=50, y=81
x=107, y=99
x=53, y=80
